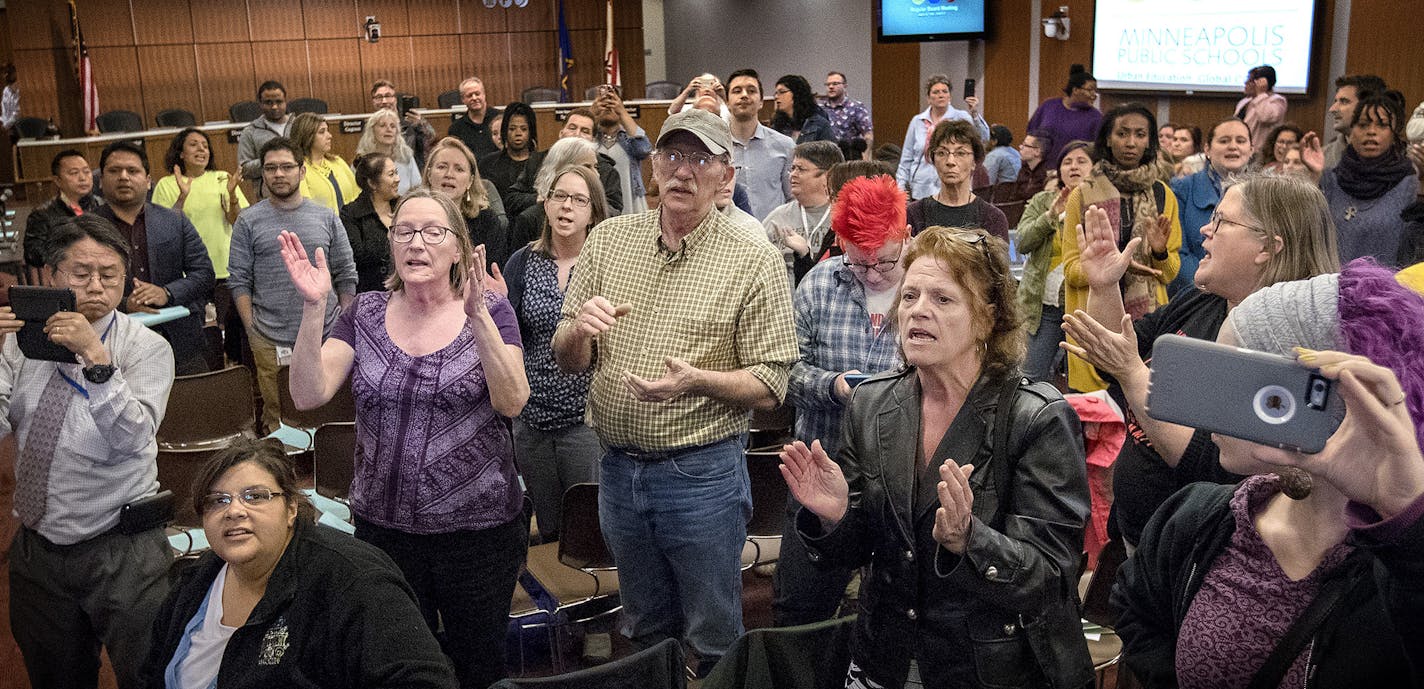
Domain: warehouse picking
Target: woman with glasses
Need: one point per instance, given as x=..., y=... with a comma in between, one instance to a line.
x=553, y=447
x=436, y=367
x=280, y=600
x=1266, y=229
x=570, y=150
x=1070, y=117
x=801, y=227
x=955, y=150
x=451, y=170
x=328, y=180
x=797, y=114
x=971, y=488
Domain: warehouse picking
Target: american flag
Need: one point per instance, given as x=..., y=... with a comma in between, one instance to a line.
x=611, y=73
x=88, y=90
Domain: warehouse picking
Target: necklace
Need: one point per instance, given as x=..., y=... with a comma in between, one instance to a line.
x=806, y=225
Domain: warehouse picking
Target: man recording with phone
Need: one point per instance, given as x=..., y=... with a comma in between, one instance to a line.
x=89, y=563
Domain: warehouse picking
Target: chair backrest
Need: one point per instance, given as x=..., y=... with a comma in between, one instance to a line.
x=581, y=543
x=244, y=111
x=1013, y=211
x=301, y=105
x=402, y=96
x=769, y=494
x=32, y=127
x=808, y=656
x=119, y=121
x=207, y=410
x=591, y=92
x=771, y=428
x=656, y=667
x=175, y=117
x=541, y=94
x=1096, y=606
x=448, y=99
x=334, y=454
x=662, y=90
x=341, y=406
x=176, y=471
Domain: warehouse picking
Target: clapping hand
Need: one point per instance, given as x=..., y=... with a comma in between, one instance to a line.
x=1312, y=153
x=794, y=241
x=185, y=183
x=1102, y=264
x=475, y=286
x=312, y=279
x=145, y=297
x=1107, y=351
x=1374, y=457
x=680, y=379
x=815, y=481
x=955, y=516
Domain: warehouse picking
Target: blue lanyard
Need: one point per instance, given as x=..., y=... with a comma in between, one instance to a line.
x=102, y=337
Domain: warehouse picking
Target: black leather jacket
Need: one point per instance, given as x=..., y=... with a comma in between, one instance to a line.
x=1004, y=614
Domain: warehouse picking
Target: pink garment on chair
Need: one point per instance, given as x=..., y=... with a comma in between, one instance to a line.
x=1104, y=432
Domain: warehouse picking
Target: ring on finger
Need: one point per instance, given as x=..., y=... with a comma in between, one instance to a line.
x=1396, y=403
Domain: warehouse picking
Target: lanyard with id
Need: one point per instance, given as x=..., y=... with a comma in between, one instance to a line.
x=102, y=338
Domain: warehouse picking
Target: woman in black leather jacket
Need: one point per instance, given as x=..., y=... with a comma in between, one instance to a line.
x=972, y=571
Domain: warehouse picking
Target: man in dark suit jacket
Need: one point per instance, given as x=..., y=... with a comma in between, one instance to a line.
x=74, y=184
x=170, y=263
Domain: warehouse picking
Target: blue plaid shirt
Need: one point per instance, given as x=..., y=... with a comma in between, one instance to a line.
x=834, y=335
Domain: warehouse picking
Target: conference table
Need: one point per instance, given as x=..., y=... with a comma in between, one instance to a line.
x=33, y=156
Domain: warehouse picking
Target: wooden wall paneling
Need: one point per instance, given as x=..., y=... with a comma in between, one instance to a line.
x=533, y=60
x=487, y=56
x=630, y=59
x=895, y=80
x=539, y=15
x=392, y=14
x=1057, y=57
x=105, y=22
x=163, y=23
x=431, y=17
x=274, y=20
x=37, y=25
x=220, y=22
x=1382, y=53
x=42, y=73
x=284, y=61
x=168, y=78
x=117, y=76
x=628, y=14
x=587, y=14
x=476, y=18
x=1003, y=92
x=390, y=58
x=225, y=76
x=335, y=75
x=437, y=67
x=588, y=61
x=331, y=19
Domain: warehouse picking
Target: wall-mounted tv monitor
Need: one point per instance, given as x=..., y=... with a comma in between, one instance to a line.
x=1201, y=45
x=906, y=21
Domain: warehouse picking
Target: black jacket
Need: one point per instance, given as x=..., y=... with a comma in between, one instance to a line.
x=968, y=619
x=41, y=219
x=370, y=244
x=337, y=613
x=1371, y=638
x=523, y=196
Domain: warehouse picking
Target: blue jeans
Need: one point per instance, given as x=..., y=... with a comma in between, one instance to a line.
x=1043, y=345
x=676, y=523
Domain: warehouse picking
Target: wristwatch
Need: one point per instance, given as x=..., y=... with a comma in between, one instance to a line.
x=99, y=373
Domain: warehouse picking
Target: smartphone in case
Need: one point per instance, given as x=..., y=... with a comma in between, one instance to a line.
x=1264, y=398
x=407, y=103
x=969, y=88
x=854, y=379
x=35, y=306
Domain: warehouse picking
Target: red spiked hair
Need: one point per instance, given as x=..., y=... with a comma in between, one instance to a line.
x=869, y=213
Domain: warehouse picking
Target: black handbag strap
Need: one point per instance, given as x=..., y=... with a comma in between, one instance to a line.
x=1000, y=461
x=1299, y=634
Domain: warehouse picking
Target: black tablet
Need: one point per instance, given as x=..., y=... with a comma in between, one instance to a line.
x=34, y=306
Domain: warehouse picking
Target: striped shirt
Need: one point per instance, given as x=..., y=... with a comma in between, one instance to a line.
x=720, y=303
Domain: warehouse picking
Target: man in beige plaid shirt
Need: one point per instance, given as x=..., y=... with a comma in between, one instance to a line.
x=685, y=317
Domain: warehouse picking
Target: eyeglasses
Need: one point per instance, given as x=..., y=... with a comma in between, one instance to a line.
x=671, y=160
x=829, y=84
x=580, y=200
x=82, y=278
x=1217, y=218
x=863, y=268
x=805, y=169
x=284, y=168
x=942, y=152
x=252, y=497
x=433, y=234
x=781, y=92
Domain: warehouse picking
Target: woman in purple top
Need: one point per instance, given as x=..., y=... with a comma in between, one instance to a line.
x=1070, y=118
x=436, y=366
x=1307, y=573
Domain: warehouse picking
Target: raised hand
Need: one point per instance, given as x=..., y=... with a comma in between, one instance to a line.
x=312, y=279
x=185, y=183
x=794, y=241
x=475, y=284
x=1312, y=153
x=1102, y=264
x=815, y=481
x=233, y=178
x=1374, y=457
x=1107, y=351
x=494, y=282
x=955, y=516
x=972, y=104
x=1158, y=234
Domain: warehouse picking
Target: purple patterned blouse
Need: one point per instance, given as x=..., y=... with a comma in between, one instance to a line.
x=432, y=454
x=1246, y=603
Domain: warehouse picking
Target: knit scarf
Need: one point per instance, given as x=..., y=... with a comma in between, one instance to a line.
x=1114, y=189
x=1370, y=179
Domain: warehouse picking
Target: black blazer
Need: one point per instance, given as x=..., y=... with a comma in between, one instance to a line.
x=969, y=619
x=370, y=243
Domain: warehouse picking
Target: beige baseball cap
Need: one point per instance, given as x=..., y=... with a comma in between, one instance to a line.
x=708, y=128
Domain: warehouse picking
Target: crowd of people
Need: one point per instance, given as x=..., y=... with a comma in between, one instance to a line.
x=514, y=319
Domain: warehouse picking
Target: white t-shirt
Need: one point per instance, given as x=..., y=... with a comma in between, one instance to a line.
x=878, y=305
x=205, y=648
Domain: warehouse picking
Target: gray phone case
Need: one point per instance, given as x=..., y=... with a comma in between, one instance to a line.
x=1255, y=396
